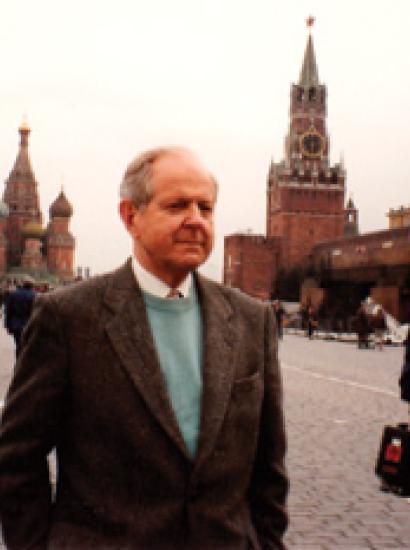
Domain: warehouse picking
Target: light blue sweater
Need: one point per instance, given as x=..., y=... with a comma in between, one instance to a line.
x=177, y=331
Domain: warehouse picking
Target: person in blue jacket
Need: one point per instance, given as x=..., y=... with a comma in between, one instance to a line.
x=18, y=307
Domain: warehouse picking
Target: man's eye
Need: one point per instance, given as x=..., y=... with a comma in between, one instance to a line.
x=176, y=205
x=206, y=208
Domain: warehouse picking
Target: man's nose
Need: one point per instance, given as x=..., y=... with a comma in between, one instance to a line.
x=194, y=215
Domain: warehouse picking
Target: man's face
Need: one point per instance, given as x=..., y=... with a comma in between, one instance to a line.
x=173, y=234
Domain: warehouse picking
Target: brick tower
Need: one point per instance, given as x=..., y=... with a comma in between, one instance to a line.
x=21, y=197
x=305, y=194
x=351, y=226
x=60, y=242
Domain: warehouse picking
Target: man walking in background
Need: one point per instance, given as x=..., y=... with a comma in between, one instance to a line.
x=159, y=389
x=18, y=306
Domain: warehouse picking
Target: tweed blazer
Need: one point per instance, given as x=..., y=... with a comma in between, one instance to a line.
x=88, y=384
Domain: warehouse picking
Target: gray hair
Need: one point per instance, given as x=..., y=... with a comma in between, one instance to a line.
x=136, y=183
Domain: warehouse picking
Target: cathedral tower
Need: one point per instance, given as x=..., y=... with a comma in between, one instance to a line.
x=21, y=197
x=4, y=212
x=305, y=194
x=60, y=242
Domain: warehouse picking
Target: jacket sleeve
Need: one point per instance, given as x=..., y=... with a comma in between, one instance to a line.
x=269, y=485
x=28, y=431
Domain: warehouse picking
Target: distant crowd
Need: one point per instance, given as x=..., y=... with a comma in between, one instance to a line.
x=363, y=323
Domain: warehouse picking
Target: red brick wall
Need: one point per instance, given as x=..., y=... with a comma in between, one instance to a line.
x=301, y=231
x=60, y=261
x=304, y=217
x=388, y=298
x=32, y=257
x=381, y=248
x=250, y=263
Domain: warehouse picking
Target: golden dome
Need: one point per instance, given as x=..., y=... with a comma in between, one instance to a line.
x=24, y=127
x=33, y=229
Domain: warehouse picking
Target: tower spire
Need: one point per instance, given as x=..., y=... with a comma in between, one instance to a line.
x=309, y=75
x=22, y=165
x=21, y=196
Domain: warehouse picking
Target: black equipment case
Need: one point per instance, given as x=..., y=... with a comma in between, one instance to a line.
x=393, y=462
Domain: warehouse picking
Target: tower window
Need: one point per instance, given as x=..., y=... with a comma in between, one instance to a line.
x=312, y=94
x=299, y=95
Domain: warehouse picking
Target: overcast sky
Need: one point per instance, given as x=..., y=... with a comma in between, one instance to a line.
x=101, y=80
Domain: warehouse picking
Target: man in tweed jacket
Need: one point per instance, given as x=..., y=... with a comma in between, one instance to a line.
x=94, y=381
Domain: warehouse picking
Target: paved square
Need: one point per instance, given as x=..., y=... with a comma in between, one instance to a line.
x=337, y=400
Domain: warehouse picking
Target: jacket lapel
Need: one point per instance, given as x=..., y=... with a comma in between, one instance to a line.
x=218, y=363
x=130, y=335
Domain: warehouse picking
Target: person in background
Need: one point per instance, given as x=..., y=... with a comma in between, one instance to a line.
x=18, y=308
x=303, y=313
x=279, y=314
x=404, y=380
x=378, y=324
x=311, y=321
x=362, y=327
x=159, y=390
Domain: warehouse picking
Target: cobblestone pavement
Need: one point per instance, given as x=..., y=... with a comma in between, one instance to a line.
x=337, y=399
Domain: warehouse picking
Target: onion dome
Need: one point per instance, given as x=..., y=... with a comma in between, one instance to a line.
x=33, y=230
x=61, y=208
x=4, y=210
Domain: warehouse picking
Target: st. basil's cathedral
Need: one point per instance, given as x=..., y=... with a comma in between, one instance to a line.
x=27, y=246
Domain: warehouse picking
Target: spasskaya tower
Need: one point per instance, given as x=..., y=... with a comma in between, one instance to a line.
x=305, y=194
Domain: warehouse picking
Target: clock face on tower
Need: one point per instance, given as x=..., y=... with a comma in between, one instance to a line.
x=312, y=144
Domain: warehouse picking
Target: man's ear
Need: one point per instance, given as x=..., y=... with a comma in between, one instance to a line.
x=127, y=212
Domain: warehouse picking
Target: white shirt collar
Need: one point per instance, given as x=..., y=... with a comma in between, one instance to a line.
x=153, y=285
